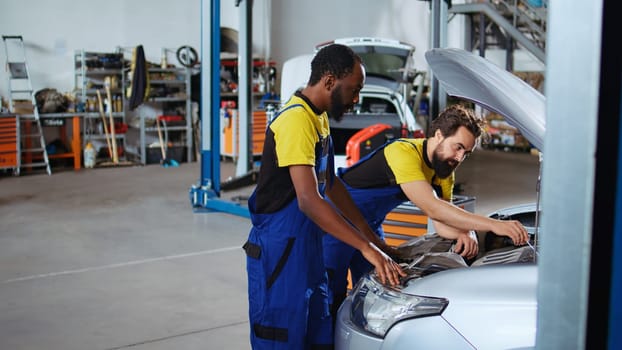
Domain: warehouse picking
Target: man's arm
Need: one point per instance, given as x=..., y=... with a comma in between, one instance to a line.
x=312, y=204
x=466, y=245
x=340, y=196
x=422, y=195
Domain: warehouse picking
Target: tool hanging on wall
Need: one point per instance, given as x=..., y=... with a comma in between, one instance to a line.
x=187, y=56
x=138, y=91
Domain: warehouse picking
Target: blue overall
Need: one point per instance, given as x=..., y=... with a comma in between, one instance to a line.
x=374, y=204
x=287, y=280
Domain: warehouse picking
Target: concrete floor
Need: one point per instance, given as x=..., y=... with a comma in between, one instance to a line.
x=116, y=259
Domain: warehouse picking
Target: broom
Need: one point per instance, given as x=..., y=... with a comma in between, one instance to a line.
x=164, y=161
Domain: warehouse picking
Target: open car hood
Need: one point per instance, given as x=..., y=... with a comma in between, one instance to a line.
x=388, y=63
x=474, y=78
x=387, y=60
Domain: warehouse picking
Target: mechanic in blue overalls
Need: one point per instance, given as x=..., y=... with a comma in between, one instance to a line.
x=287, y=281
x=420, y=171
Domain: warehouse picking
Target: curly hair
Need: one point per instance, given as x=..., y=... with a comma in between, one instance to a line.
x=455, y=116
x=335, y=59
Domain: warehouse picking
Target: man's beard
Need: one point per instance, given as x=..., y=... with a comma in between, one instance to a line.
x=337, y=108
x=442, y=168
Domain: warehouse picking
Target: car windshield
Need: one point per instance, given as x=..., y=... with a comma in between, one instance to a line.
x=382, y=60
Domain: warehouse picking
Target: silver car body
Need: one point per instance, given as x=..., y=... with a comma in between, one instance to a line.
x=444, y=303
x=490, y=307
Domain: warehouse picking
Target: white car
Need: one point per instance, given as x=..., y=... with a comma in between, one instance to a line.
x=444, y=303
x=389, y=74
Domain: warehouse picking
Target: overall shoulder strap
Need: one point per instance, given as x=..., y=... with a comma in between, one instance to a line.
x=283, y=110
x=342, y=171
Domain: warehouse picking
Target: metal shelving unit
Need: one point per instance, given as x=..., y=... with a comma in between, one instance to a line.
x=92, y=69
x=170, y=94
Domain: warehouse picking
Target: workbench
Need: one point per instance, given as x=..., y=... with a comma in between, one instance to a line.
x=74, y=142
x=71, y=122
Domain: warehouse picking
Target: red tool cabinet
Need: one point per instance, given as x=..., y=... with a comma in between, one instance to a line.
x=9, y=142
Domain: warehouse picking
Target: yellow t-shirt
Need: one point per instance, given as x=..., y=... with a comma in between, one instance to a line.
x=297, y=132
x=400, y=162
x=291, y=139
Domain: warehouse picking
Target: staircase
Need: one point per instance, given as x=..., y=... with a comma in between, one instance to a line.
x=507, y=24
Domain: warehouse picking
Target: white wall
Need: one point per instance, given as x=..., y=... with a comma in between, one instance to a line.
x=54, y=30
x=298, y=25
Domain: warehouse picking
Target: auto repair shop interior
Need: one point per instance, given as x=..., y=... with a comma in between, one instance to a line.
x=131, y=134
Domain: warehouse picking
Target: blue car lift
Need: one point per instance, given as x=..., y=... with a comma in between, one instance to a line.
x=205, y=195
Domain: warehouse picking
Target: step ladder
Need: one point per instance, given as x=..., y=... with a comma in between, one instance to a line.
x=32, y=151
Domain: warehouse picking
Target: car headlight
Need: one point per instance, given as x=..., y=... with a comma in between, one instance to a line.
x=375, y=307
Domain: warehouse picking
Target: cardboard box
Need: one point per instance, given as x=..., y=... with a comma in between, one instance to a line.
x=22, y=107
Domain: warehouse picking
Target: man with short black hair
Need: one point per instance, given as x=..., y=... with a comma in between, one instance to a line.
x=287, y=280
